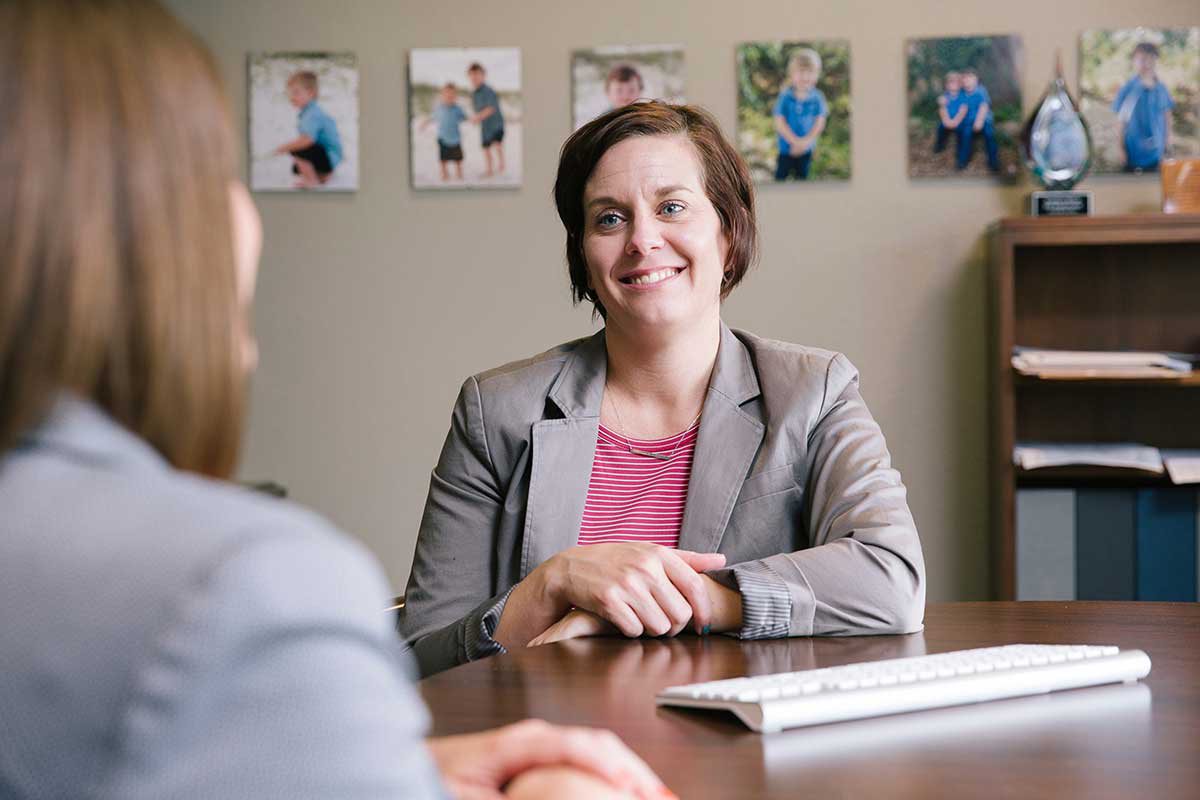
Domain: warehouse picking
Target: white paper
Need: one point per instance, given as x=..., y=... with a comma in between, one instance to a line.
x=1036, y=455
x=1183, y=466
x=1032, y=360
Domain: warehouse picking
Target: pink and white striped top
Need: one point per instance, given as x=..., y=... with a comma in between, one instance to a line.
x=633, y=498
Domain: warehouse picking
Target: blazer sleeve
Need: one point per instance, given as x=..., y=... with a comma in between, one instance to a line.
x=864, y=571
x=449, y=612
x=279, y=676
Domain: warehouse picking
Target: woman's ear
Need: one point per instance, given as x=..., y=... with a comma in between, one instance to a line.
x=247, y=240
x=246, y=226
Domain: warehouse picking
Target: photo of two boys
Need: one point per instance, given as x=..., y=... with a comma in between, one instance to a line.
x=465, y=117
x=964, y=107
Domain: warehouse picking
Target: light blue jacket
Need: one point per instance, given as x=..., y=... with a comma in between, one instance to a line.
x=166, y=636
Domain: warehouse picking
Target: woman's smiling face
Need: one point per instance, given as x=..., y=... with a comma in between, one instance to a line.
x=653, y=242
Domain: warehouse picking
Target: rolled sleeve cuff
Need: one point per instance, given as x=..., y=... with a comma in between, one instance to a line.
x=766, y=601
x=480, y=626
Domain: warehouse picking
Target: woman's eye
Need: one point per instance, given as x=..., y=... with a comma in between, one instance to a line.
x=608, y=219
x=672, y=207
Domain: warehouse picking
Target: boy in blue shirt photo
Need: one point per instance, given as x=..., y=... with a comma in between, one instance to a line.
x=1143, y=107
x=448, y=115
x=952, y=110
x=978, y=123
x=317, y=151
x=800, y=114
x=491, y=121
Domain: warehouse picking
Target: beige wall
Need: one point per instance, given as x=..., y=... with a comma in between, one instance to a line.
x=373, y=307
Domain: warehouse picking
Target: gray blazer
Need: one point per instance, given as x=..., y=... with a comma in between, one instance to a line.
x=792, y=481
x=166, y=636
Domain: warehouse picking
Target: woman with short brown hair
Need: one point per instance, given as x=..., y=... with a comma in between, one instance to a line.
x=668, y=471
x=163, y=634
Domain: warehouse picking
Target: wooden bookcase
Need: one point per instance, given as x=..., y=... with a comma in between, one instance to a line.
x=1087, y=283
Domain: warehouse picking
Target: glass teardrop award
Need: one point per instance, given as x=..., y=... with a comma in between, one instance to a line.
x=1058, y=151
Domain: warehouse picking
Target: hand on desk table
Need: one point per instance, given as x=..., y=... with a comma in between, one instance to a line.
x=640, y=588
x=725, y=609
x=534, y=758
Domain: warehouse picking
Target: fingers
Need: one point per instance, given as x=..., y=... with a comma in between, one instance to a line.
x=701, y=562
x=615, y=608
x=470, y=791
x=672, y=603
x=639, y=588
x=690, y=584
x=605, y=754
x=652, y=618
x=577, y=623
x=542, y=782
x=599, y=752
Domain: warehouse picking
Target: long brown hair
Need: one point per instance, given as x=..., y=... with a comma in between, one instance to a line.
x=117, y=276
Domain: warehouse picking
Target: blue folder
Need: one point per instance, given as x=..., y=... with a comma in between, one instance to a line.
x=1166, y=544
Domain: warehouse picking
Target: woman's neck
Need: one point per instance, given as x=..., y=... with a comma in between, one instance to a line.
x=666, y=378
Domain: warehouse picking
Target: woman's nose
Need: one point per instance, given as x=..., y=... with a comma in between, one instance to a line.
x=645, y=236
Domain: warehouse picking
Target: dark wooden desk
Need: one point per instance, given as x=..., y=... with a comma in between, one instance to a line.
x=1140, y=741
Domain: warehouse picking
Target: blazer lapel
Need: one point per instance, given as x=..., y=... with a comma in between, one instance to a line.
x=725, y=447
x=563, y=450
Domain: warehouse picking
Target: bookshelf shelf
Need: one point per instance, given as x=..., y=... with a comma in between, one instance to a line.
x=1032, y=381
x=1089, y=477
x=1124, y=282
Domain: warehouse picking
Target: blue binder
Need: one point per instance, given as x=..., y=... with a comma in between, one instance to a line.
x=1166, y=544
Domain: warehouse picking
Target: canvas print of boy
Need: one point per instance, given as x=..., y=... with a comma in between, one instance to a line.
x=793, y=110
x=303, y=121
x=1140, y=94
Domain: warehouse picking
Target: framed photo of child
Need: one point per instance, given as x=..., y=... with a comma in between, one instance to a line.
x=794, y=110
x=303, y=122
x=1140, y=94
x=605, y=78
x=465, y=117
x=964, y=107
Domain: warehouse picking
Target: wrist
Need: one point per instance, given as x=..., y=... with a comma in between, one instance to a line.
x=534, y=605
x=548, y=585
x=726, y=607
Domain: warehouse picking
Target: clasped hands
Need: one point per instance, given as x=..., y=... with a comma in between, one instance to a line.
x=630, y=588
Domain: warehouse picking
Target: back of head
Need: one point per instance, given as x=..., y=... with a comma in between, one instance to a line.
x=117, y=278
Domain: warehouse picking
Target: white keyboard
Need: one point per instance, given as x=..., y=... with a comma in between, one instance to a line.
x=769, y=703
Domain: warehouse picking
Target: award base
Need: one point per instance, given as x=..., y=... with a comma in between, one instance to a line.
x=1060, y=203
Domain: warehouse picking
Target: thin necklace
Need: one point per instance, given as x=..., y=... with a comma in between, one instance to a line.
x=637, y=451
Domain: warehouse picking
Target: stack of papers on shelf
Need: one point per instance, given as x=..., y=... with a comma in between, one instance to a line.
x=1036, y=455
x=1182, y=465
x=1082, y=364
